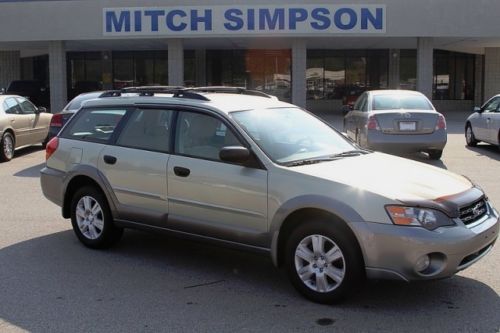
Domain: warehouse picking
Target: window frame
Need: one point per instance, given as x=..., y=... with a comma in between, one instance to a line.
x=20, y=100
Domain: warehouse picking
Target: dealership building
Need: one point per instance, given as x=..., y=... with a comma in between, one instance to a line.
x=318, y=55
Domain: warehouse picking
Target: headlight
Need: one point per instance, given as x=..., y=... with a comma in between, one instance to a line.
x=430, y=219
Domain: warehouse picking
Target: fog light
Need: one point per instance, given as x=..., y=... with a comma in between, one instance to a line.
x=422, y=263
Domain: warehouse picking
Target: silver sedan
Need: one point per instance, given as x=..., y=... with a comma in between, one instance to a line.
x=396, y=121
x=484, y=124
x=21, y=124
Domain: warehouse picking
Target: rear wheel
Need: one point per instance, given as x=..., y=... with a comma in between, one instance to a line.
x=323, y=261
x=7, y=147
x=435, y=154
x=470, y=139
x=91, y=219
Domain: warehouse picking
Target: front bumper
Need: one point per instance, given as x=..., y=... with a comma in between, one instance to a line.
x=392, y=252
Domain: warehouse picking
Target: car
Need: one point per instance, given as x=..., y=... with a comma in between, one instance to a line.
x=396, y=121
x=255, y=173
x=33, y=90
x=484, y=124
x=21, y=124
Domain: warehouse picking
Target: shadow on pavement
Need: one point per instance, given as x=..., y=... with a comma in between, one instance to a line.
x=33, y=171
x=157, y=283
x=485, y=149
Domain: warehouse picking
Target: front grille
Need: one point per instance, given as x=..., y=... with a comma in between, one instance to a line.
x=473, y=212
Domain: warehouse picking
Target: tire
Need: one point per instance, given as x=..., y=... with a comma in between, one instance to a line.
x=7, y=147
x=94, y=229
x=435, y=154
x=470, y=138
x=339, y=276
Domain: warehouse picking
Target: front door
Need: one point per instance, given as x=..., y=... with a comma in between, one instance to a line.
x=482, y=123
x=208, y=196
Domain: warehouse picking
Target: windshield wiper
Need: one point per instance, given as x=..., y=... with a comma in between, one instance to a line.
x=329, y=158
x=350, y=153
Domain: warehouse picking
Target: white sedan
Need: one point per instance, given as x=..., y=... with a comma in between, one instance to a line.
x=484, y=123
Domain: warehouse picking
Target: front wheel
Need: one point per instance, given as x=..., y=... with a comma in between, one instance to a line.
x=92, y=220
x=7, y=147
x=323, y=261
x=470, y=139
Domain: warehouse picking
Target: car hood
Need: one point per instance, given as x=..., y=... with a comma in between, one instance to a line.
x=393, y=177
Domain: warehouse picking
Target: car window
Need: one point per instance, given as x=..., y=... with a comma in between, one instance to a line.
x=147, y=129
x=492, y=105
x=203, y=136
x=11, y=106
x=26, y=106
x=94, y=125
x=359, y=102
x=76, y=102
x=399, y=101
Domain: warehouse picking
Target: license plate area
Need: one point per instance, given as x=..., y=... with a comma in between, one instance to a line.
x=407, y=126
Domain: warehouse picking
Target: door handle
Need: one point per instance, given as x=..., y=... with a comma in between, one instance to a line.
x=109, y=159
x=181, y=172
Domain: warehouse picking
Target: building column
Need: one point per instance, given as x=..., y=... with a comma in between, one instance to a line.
x=10, y=67
x=175, y=62
x=491, y=71
x=201, y=67
x=425, y=64
x=299, y=64
x=394, y=67
x=57, y=76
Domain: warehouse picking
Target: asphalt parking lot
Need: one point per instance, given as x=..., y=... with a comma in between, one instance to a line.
x=150, y=283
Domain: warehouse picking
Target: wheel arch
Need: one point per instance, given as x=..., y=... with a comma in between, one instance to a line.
x=291, y=214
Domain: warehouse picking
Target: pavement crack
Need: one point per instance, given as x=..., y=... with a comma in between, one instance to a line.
x=204, y=284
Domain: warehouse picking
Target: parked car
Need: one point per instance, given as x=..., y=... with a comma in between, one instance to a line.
x=215, y=167
x=21, y=124
x=484, y=124
x=397, y=121
x=33, y=90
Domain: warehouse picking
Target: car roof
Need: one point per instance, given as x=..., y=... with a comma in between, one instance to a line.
x=3, y=97
x=395, y=92
x=224, y=102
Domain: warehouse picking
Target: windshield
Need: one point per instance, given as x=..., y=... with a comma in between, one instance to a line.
x=400, y=101
x=290, y=134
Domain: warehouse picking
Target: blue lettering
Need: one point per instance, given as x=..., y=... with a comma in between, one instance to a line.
x=115, y=24
x=155, y=14
x=251, y=19
x=170, y=20
x=278, y=17
x=235, y=22
x=207, y=19
x=137, y=20
x=321, y=16
x=353, y=18
x=376, y=21
x=296, y=15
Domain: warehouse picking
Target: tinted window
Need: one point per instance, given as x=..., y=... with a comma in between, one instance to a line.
x=94, y=125
x=203, y=136
x=398, y=101
x=26, y=106
x=492, y=105
x=11, y=106
x=147, y=129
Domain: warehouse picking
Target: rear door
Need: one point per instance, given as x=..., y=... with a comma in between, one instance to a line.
x=136, y=166
x=208, y=196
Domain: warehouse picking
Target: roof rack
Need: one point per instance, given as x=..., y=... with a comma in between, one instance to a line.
x=111, y=93
x=231, y=90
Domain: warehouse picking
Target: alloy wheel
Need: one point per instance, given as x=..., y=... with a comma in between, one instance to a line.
x=89, y=217
x=8, y=147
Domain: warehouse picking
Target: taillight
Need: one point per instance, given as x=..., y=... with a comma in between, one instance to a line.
x=372, y=123
x=51, y=147
x=441, y=122
x=57, y=120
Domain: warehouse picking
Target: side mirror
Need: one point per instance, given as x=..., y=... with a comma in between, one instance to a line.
x=477, y=109
x=2, y=91
x=41, y=109
x=345, y=109
x=234, y=154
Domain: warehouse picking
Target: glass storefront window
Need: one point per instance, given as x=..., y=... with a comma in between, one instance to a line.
x=408, y=69
x=453, y=76
x=344, y=75
x=264, y=70
x=140, y=68
x=84, y=72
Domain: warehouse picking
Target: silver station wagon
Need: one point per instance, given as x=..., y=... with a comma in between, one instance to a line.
x=260, y=174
